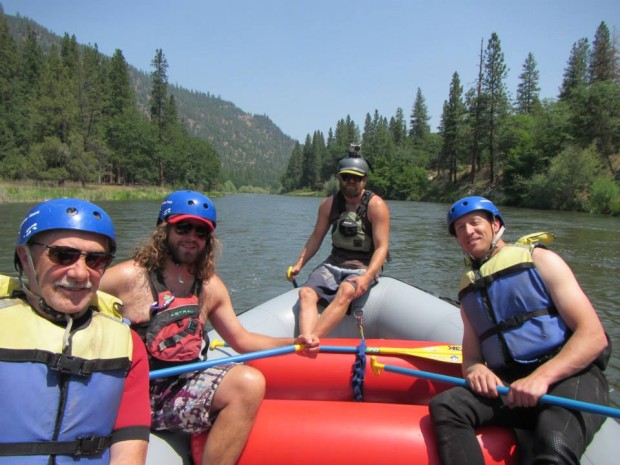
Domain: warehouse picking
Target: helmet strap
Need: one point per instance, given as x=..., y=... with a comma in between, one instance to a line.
x=477, y=263
x=56, y=315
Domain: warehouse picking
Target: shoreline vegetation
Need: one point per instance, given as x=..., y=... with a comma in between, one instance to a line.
x=25, y=192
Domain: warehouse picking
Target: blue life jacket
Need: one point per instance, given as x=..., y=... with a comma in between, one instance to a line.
x=61, y=390
x=510, y=309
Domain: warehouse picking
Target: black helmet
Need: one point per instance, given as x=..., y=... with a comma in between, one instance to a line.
x=353, y=165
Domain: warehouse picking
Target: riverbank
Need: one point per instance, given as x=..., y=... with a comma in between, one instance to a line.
x=13, y=192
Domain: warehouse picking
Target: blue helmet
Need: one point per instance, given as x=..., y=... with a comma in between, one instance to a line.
x=66, y=213
x=188, y=205
x=470, y=204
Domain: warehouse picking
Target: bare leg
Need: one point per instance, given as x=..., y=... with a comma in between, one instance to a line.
x=308, y=310
x=237, y=399
x=336, y=310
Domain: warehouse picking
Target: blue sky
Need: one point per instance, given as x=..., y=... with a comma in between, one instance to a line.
x=307, y=64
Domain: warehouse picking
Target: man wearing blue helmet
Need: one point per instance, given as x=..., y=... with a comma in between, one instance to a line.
x=73, y=376
x=170, y=290
x=527, y=324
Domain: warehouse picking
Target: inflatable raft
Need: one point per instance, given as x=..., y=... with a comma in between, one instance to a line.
x=311, y=415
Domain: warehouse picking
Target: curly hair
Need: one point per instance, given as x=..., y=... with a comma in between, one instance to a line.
x=154, y=252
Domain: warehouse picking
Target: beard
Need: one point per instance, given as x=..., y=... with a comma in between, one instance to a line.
x=182, y=254
x=351, y=190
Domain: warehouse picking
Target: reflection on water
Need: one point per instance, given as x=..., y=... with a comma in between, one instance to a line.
x=262, y=235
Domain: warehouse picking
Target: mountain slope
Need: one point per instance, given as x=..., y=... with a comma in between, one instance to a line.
x=252, y=149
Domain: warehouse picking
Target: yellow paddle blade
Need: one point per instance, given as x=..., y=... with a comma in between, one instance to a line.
x=443, y=353
x=544, y=238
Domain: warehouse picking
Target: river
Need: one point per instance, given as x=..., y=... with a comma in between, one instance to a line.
x=263, y=234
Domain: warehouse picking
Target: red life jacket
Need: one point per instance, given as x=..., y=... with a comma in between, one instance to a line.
x=174, y=333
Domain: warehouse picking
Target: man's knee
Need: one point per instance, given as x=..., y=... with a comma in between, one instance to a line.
x=553, y=447
x=308, y=294
x=244, y=382
x=346, y=290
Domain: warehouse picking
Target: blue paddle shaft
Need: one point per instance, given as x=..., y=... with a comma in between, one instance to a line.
x=545, y=399
x=180, y=369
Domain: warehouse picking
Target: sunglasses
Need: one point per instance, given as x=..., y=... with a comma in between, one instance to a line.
x=65, y=256
x=348, y=177
x=185, y=228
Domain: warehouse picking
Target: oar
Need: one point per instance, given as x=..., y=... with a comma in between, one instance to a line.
x=443, y=353
x=177, y=370
x=545, y=399
x=290, y=276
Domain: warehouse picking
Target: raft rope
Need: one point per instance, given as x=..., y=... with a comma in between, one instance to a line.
x=359, y=369
x=359, y=318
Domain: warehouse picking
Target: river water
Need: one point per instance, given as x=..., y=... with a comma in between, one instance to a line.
x=263, y=234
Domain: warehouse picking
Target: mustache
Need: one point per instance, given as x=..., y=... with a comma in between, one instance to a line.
x=73, y=284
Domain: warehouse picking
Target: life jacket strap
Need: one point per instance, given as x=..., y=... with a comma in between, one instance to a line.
x=82, y=446
x=516, y=321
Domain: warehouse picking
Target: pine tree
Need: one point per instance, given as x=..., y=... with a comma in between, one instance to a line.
x=494, y=88
x=420, y=129
x=398, y=128
x=576, y=71
x=121, y=95
x=159, y=101
x=452, y=128
x=528, y=90
x=602, y=61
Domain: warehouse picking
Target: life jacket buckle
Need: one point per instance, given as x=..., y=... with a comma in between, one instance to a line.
x=91, y=445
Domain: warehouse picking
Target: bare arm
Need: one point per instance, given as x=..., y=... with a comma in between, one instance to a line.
x=128, y=453
x=588, y=338
x=316, y=238
x=218, y=307
x=119, y=280
x=480, y=378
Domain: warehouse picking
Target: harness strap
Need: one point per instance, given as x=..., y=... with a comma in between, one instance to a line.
x=191, y=329
x=485, y=281
x=81, y=446
x=516, y=321
x=65, y=363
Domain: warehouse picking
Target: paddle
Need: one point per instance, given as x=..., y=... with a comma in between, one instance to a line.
x=177, y=370
x=545, y=399
x=443, y=353
x=290, y=277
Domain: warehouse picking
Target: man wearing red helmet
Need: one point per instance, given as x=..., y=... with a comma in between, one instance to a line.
x=527, y=324
x=170, y=290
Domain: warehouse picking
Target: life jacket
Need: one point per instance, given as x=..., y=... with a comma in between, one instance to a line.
x=174, y=334
x=351, y=231
x=510, y=309
x=61, y=389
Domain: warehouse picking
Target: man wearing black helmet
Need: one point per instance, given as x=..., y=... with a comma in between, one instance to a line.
x=360, y=226
x=73, y=376
x=527, y=324
x=170, y=290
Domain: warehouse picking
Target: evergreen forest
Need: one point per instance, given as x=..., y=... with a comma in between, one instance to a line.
x=71, y=114
x=558, y=154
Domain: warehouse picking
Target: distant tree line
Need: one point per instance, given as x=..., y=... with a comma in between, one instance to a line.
x=551, y=154
x=71, y=114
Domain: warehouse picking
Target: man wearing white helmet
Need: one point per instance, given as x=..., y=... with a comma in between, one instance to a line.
x=360, y=226
x=73, y=376
x=527, y=324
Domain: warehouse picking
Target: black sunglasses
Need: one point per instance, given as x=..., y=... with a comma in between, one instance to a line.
x=185, y=228
x=65, y=256
x=347, y=177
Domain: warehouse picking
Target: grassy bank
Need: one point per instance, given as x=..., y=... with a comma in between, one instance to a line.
x=32, y=192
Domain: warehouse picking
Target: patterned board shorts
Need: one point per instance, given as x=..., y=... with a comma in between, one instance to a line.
x=185, y=405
